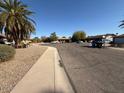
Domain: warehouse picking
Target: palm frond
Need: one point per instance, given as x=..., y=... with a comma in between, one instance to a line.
x=122, y=24
x=15, y=16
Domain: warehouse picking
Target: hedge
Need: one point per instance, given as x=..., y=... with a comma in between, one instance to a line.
x=6, y=52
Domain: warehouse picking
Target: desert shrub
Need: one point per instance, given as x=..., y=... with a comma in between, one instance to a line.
x=6, y=52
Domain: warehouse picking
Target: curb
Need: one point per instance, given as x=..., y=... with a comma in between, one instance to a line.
x=69, y=78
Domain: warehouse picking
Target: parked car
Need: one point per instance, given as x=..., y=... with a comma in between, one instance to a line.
x=4, y=41
x=98, y=43
x=79, y=42
x=55, y=42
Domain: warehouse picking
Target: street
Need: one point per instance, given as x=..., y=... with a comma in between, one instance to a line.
x=93, y=70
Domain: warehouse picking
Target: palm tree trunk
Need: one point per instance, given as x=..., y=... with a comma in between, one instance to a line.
x=14, y=34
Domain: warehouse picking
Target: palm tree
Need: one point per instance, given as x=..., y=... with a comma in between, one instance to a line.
x=15, y=21
x=122, y=24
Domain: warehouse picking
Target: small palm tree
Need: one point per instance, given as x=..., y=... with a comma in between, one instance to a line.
x=15, y=21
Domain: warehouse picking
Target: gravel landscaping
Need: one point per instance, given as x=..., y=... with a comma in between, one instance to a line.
x=11, y=72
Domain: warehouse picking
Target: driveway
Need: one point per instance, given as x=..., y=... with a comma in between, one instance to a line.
x=93, y=70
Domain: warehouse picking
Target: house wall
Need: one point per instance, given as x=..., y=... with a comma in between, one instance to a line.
x=118, y=45
x=119, y=40
x=64, y=40
x=110, y=38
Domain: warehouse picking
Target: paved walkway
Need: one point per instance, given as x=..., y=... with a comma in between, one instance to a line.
x=46, y=76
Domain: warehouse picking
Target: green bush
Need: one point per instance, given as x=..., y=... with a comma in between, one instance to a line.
x=6, y=52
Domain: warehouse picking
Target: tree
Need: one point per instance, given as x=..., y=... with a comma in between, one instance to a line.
x=36, y=40
x=15, y=21
x=63, y=37
x=47, y=39
x=53, y=36
x=43, y=38
x=79, y=35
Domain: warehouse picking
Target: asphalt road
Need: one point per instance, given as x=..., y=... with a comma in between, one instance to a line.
x=93, y=70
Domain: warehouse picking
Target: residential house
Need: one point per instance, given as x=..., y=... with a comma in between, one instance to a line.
x=107, y=37
x=119, y=40
x=64, y=40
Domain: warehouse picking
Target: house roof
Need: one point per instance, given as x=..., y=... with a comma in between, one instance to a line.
x=61, y=38
x=100, y=36
x=110, y=35
x=119, y=36
x=2, y=36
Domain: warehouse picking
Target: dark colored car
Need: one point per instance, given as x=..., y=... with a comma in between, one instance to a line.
x=97, y=43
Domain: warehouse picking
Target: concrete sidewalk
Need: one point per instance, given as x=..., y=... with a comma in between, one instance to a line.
x=46, y=76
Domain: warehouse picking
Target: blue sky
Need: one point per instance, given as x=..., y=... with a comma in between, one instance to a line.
x=67, y=16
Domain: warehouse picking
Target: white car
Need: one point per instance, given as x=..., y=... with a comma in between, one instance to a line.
x=55, y=42
x=4, y=41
